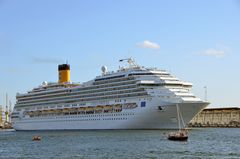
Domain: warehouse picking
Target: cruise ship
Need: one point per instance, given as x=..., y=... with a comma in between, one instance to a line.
x=133, y=97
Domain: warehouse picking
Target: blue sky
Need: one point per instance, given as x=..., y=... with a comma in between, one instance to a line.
x=198, y=41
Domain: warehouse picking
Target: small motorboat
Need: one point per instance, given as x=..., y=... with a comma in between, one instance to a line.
x=181, y=135
x=36, y=138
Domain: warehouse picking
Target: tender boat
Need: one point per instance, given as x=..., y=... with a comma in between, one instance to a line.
x=36, y=138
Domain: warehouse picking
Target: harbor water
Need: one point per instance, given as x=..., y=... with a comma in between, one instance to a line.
x=202, y=143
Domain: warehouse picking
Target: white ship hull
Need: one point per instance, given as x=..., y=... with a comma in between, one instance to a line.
x=148, y=117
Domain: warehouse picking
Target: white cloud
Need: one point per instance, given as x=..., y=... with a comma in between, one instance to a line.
x=148, y=44
x=214, y=52
x=218, y=51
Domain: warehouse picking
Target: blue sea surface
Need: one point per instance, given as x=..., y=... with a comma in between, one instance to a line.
x=202, y=143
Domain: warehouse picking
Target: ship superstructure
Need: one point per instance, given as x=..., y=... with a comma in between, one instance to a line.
x=133, y=97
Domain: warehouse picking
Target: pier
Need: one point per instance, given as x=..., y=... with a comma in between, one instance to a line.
x=217, y=117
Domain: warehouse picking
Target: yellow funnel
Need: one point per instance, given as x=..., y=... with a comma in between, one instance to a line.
x=63, y=73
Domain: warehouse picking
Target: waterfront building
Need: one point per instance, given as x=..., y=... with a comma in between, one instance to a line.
x=217, y=117
x=1, y=121
x=2, y=116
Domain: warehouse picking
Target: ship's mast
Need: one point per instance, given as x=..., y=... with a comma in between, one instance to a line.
x=131, y=62
x=181, y=123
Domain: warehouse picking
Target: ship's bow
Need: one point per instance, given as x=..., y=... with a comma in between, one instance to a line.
x=191, y=109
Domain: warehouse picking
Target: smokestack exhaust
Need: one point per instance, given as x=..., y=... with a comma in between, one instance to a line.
x=63, y=73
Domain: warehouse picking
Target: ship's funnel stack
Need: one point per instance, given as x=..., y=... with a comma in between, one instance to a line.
x=63, y=73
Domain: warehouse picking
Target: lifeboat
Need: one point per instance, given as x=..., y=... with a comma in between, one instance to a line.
x=66, y=110
x=52, y=110
x=98, y=109
x=45, y=111
x=73, y=111
x=81, y=108
x=89, y=110
x=59, y=110
x=108, y=108
x=118, y=108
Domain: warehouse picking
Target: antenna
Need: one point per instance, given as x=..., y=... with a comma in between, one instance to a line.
x=205, y=93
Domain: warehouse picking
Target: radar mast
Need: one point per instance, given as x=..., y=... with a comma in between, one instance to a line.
x=131, y=62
